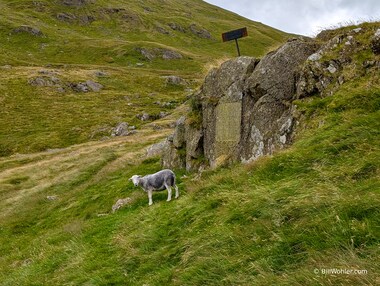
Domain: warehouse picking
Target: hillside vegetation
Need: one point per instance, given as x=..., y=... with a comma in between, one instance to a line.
x=285, y=219
x=50, y=48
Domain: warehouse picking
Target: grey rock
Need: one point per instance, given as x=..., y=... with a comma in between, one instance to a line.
x=66, y=17
x=52, y=198
x=156, y=149
x=375, y=42
x=146, y=53
x=74, y=2
x=200, y=32
x=29, y=30
x=179, y=139
x=163, y=114
x=177, y=27
x=341, y=79
x=86, y=86
x=174, y=80
x=123, y=129
x=315, y=57
x=44, y=81
x=171, y=55
x=101, y=74
x=173, y=157
x=162, y=30
x=120, y=203
x=332, y=69
x=377, y=33
x=246, y=110
x=79, y=87
x=94, y=86
x=144, y=116
x=151, y=54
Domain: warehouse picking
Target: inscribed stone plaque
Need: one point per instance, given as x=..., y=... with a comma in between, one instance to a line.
x=228, y=124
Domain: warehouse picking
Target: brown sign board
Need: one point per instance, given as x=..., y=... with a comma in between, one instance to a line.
x=235, y=34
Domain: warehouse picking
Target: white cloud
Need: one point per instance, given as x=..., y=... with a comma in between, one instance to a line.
x=303, y=17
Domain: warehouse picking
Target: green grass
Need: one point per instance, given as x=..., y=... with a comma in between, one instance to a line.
x=313, y=206
x=276, y=221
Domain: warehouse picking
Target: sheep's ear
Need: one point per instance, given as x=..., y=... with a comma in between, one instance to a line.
x=130, y=179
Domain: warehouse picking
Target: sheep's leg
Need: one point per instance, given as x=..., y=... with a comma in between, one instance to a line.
x=169, y=193
x=150, y=197
x=176, y=192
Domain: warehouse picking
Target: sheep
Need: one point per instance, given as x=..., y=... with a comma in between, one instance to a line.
x=164, y=179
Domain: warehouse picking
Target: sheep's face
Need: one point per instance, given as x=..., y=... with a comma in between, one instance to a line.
x=135, y=180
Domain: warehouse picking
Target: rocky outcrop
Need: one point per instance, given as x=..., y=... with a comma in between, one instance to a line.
x=336, y=62
x=200, y=32
x=28, y=30
x=153, y=53
x=245, y=109
x=267, y=120
x=375, y=42
x=123, y=129
x=51, y=79
x=242, y=111
x=193, y=28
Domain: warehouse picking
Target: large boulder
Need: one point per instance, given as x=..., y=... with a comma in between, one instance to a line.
x=242, y=111
x=267, y=120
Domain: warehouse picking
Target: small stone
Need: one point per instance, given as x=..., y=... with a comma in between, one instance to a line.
x=143, y=117
x=315, y=57
x=171, y=55
x=120, y=203
x=331, y=69
x=94, y=86
x=377, y=33
x=341, y=79
x=122, y=129
x=163, y=114
x=101, y=74
x=52, y=198
x=175, y=80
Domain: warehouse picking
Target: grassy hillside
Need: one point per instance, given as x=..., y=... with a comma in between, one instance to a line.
x=282, y=220
x=129, y=47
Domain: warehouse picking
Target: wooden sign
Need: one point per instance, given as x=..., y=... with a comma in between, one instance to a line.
x=235, y=35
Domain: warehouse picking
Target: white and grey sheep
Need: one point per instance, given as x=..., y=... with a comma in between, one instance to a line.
x=159, y=181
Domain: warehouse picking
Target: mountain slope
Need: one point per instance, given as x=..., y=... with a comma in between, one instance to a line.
x=286, y=219
x=50, y=48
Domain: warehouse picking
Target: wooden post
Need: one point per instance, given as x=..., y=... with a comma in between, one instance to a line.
x=237, y=47
x=235, y=35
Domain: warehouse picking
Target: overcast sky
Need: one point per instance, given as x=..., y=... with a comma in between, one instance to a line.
x=305, y=17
